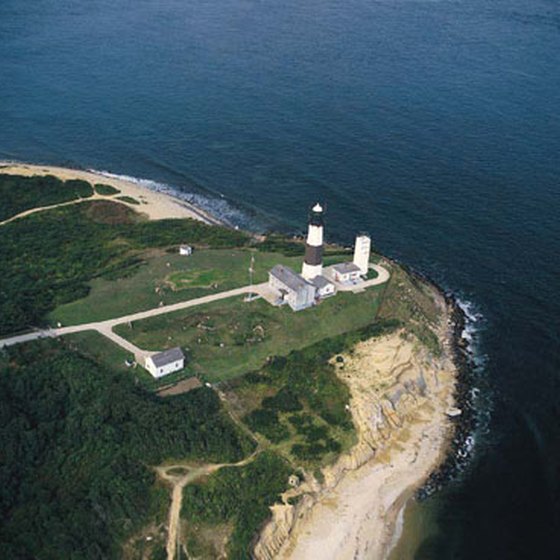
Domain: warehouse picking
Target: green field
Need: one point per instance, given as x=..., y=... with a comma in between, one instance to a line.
x=49, y=258
x=231, y=337
x=170, y=278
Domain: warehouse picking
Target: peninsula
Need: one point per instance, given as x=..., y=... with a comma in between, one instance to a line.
x=180, y=390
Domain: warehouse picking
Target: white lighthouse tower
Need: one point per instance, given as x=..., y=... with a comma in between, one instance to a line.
x=362, y=250
x=313, y=261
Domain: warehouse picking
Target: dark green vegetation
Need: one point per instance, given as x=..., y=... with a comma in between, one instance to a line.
x=239, y=495
x=410, y=300
x=230, y=337
x=77, y=440
x=19, y=193
x=295, y=247
x=79, y=429
x=105, y=190
x=128, y=199
x=299, y=403
x=48, y=258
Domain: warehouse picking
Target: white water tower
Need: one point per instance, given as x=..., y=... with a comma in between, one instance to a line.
x=362, y=250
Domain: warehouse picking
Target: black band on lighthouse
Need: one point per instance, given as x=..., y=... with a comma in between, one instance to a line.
x=313, y=255
x=316, y=219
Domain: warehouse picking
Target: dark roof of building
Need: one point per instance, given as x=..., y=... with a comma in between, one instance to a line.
x=321, y=282
x=288, y=277
x=168, y=357
x=345, y=268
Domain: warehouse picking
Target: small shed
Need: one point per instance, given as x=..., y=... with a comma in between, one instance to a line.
x=166, y=362
x=347, y=272
x=185, y=250
x=324, y=287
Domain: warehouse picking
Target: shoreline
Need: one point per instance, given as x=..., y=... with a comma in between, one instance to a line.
x=448, y=444
x=156, y=205
x=360, y=513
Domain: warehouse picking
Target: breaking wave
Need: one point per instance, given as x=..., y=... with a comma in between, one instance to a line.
x=473, y=398
x=218, y=207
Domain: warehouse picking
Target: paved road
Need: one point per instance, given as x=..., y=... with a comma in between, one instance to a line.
x=106, y=327
x=382, y=277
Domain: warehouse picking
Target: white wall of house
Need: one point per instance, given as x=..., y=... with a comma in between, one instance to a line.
x=164, y=370
x=328, y=290
x=345, y=277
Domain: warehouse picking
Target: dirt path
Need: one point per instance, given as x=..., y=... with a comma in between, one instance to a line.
x=179, y=481
x=70, y=202
x=105, y=327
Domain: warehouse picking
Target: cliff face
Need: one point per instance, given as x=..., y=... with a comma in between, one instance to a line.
x=395, y=385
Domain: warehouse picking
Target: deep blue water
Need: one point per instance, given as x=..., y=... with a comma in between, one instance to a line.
x=433, y=124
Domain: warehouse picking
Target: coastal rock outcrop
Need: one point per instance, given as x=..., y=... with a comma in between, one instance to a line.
x=398, y=389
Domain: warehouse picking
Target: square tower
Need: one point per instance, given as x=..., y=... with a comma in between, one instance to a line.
x=362, y=250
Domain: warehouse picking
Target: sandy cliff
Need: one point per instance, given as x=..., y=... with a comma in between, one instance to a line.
x=400, y=395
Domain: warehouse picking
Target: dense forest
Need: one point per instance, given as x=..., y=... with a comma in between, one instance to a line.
x=48, y=258
x=77, y=443
x=239, y=495
x=23, y=193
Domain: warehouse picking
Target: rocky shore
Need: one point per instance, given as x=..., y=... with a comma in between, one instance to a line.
x=412, y=414
x=464, y=424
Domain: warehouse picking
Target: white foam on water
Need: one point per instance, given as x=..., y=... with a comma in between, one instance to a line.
x=397, y=533
x=474, y=324
x=218, y=207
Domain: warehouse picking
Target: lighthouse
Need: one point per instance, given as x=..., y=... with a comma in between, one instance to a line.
x=313, y=262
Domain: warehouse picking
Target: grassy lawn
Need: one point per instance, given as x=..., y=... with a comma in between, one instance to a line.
x=169, y=278
x=231, y=337
x=108, y=354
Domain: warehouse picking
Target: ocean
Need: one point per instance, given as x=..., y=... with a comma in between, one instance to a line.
x=434, y=125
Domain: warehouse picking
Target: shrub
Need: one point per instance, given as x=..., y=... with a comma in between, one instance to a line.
x=268, y=424
x=106, y=190
x=285, y=400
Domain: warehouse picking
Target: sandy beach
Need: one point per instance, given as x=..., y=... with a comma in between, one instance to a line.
x=400, y=397
x=155, y=205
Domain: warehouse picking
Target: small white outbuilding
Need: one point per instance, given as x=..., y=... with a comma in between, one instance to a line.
x=166, y=362
x=346, y=273
x=185, y=250
x=324, y=287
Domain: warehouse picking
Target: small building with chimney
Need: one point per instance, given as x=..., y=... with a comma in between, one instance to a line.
x=166, y=362
x=291, y=288
x=346, y=273
x=324, y=287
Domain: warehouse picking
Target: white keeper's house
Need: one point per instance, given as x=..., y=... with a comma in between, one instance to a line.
x=166, y=362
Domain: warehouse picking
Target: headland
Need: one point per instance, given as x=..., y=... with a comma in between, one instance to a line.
x=360, y=414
